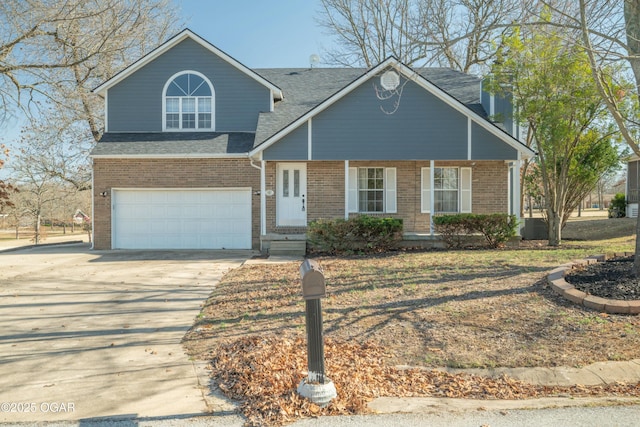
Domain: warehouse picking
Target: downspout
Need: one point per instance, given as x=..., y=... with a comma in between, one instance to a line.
x=259, y=167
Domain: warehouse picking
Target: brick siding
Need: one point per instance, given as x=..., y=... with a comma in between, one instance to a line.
x=325, y=187
x=168, y=173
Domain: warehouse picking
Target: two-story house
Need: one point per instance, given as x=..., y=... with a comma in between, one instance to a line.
x=201, y=152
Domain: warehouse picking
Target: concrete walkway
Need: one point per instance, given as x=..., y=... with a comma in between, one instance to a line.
x=599, y=373
x=87, y=334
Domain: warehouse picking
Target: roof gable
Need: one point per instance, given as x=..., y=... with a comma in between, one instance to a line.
x=174, y=41
x=410, y=75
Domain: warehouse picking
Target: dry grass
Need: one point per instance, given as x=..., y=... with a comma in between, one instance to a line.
x=27, y=233
x=480, y=308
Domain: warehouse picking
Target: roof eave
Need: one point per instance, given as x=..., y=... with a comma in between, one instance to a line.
x=175, y=40
x=172, y=156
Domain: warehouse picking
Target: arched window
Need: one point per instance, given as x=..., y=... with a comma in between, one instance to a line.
x=188, y=102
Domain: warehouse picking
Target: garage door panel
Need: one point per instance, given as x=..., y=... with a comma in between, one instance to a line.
x=238, y=211
x=182, y=219
x=158, y=227
x=203, y=211
x=195, y=227
x=160, y=197
x=223, y=211
x=173, y=211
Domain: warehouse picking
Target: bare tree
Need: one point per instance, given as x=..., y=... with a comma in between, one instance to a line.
x=610, y=33
x=41, y=192
x=37, y=189
x=369, y=31
x=455, y=33
x=45, y=44
x=6, y=189
x=54, y=52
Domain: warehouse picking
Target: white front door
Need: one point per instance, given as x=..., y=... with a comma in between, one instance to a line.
x=291, y=204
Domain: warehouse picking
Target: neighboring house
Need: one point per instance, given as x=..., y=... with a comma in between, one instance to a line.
x=200, y=151
x=80, y=217
x=633, y=186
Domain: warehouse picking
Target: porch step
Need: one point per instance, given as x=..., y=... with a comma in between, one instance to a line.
x=288, y=247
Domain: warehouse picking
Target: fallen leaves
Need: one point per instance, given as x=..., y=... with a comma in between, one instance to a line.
x=457, y=309
x=264, y=372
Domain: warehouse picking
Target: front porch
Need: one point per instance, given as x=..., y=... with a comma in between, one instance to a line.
x=293, y=194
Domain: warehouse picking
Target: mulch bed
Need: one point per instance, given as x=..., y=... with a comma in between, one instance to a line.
x=611, y=279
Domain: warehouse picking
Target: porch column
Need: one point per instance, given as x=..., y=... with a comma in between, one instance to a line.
x=346, y=189
x=516, y=168
x=432, y=198
x=263, y=198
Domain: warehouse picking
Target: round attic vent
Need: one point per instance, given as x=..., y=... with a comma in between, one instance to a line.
x=390, y=80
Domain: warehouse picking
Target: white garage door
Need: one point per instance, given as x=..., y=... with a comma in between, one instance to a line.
x=182, y=219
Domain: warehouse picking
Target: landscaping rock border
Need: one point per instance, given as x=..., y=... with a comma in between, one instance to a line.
x=555, y=279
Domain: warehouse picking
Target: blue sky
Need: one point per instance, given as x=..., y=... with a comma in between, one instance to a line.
x=260, y=33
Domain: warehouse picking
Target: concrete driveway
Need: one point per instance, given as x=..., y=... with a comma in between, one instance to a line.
x=90, y=334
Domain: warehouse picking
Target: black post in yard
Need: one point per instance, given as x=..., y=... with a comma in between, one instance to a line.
x=316, y=387
x=315, y=344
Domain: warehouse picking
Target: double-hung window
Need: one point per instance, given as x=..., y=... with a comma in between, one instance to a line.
x=372, y=190
x=451, y=190
x=445, y=188
x=188, y=102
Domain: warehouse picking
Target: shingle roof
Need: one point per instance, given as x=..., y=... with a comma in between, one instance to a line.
x=306, y=88
x=174, y=144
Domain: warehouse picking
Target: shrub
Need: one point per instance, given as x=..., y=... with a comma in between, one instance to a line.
x=453, y=228
x=361, y=233
x=618, y=206
x=495, y=228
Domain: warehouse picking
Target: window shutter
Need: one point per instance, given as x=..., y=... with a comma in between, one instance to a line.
x=465, y=190
x=353, y=189
x=390, y=190
x=426, y=190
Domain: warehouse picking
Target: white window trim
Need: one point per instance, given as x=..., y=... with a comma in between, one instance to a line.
x=164, y=105
x=425, y=193
x=389, y=191
x=465, y=198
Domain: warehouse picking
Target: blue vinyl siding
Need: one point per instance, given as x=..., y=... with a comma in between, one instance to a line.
x=504, y=112
x=503, y=109
x=422, y=127
x=485, y=146
x=485, y=97
x=293, y=146
x=135, y=104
